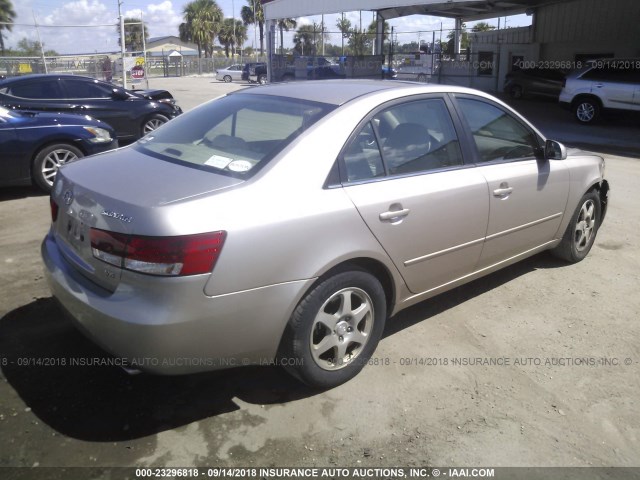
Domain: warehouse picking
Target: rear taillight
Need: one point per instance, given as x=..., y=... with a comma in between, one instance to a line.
x=54, y=209
x=166, y=256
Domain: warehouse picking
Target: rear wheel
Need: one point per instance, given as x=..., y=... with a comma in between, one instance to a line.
x=49, y=160
x=586, y=110
x=153, y=122
x=227, y=79
x=581, y=231
x=335, y=329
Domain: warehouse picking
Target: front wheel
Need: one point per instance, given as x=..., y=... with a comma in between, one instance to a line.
x=581, y=231
x=335, y=329
x=153, y=122
x=262, y=79
x=586, y=110
x=49, y=160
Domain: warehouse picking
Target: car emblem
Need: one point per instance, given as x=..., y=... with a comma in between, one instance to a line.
x=68, y=197
x=119, y=216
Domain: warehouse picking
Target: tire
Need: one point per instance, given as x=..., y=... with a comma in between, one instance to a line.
x=586, y=110
x=516, y=92
x=48, y=160
x=335, y=329
x=227, y=79
x=151, y=123
x=422, y=78
x=582, y=229
x=262, y=79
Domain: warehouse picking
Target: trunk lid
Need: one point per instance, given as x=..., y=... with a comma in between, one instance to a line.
x=123, y=192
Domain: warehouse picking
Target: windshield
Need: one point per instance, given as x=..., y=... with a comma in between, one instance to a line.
x=235, y=135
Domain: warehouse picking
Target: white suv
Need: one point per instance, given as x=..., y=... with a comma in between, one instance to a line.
x=603, y=84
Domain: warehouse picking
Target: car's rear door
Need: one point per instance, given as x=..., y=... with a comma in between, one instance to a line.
x=613, y=85
x=527, y=194
x=39, y=93
x=404, y=171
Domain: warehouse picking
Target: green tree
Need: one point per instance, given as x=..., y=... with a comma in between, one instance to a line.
x=344, y=27
x=285, y=24
x=373, y=32
x=133, y=34
x=32, y=48
x=229, y=37
x=304, y=40
x=449, y=47
x=7, y=16
x=360, y=42
x=202, y=21
x=253, y=14
x=482, y=27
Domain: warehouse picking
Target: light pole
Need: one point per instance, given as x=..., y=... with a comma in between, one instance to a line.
x=255, y=21
x=122, y=47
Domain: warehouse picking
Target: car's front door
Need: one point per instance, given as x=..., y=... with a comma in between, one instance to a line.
x=527, y=194
x=96, y=100
x=11, y=166
x=405, y=173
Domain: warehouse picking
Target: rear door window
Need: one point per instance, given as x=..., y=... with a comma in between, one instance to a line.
x=36, y=89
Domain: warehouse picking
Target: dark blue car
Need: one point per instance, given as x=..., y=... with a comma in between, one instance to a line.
x=33, y=145
x=133, y=114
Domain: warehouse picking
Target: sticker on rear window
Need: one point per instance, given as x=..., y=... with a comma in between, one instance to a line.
x=240, y=166
x=218, y=161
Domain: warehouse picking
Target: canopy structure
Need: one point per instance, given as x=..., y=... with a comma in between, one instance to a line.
x=466, y=10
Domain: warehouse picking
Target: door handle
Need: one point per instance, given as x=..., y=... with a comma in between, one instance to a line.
x=394, y=214
x=504, y=191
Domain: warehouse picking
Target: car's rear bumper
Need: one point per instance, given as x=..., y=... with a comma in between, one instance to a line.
x=168, y=325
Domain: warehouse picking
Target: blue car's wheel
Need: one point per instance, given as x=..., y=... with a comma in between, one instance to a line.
x=49, y=159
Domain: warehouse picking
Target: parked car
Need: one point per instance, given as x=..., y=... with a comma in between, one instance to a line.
x=291, y=221
x=35, y=144
x=323, y=72
x=131, y=113
x=255, y=72
x=545, y=82
x=389, y=72
x=607, y=84
x=232, y=73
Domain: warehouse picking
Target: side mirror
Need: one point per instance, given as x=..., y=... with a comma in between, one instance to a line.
x=118, y=94
x=554, y=150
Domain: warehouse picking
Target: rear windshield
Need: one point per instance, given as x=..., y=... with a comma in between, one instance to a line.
x=235, y=135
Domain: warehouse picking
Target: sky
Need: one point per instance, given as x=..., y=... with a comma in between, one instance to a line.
x=88, y=26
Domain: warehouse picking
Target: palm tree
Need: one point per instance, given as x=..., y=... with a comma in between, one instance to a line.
x=229, y=37
x=253, y=14
x=305, y=40
x=7, y=15
x=285, y=24
x=202, y=20
x=133, y=34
